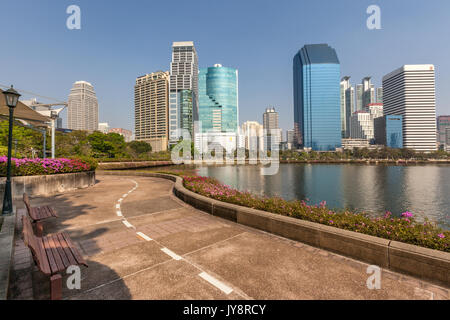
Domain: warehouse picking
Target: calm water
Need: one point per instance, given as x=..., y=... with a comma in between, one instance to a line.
x=423, y=190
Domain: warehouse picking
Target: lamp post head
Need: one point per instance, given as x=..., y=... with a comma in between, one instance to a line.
x=11, y=97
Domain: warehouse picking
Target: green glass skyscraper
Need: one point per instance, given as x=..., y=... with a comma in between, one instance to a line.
x=218, y=99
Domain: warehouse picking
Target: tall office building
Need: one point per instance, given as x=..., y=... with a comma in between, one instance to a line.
x=272, y=131
x=410, y=92
x=388, y=131
x=359, y=97
x=361, y=125
x=380, y=95
x=443, y=122
x=347, y=105
x=253, y=133
x=368, y=92
x=183, y=85
x=151, y=102
x=218, y=99
x=317, y=113
x=82, y=113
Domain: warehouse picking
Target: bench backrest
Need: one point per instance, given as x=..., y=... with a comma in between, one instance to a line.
x=26, y=200
x=30, y=240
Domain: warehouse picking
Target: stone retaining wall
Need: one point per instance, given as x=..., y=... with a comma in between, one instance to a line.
x=6, y=252
x=423, y=263
x=48, y=184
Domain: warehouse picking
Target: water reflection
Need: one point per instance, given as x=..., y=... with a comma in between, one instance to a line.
x=423, y=190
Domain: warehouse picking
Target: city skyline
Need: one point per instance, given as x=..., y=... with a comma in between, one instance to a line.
x=51, y=72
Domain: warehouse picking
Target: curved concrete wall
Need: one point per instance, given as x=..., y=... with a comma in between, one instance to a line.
x=423, y=263
x=48, y=184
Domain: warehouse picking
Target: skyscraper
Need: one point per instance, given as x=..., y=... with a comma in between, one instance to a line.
x=443, y=122
x=218, y=99
x=410, y=92
x=380, y=95
x=151, y=102
x=368, y=92
x=347, y=105
x=359, y=97
x=272, y=132
x=253, y=136
x=82, y=113
x=317, y=113
x=183, y=84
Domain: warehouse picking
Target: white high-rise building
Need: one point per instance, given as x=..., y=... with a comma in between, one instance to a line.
x=183, y=89
x=253, y=133
x=409, y=91
x=361, y=125
x=103, y=127
x=347, y=105
x=82, y=113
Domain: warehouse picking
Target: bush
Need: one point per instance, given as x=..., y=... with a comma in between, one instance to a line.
x=36, y=166
x=404, y=229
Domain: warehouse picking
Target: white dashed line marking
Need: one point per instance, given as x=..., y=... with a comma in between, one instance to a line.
x=171, y=253
x=125, y=195
x=127, y=224
x=119, y=213
x=120, y=200
x=117, y=206
x=218, y=284
x=143, y=236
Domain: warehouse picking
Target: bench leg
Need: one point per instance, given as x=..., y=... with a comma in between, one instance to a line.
x=39, y=229
x=56, y=287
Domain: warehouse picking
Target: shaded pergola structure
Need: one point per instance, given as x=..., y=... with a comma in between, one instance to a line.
x=27, y=117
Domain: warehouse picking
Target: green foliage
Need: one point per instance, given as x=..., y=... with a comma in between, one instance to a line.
x=139, y=149
x=363, y=154
x=27, y=140
x=404, y=229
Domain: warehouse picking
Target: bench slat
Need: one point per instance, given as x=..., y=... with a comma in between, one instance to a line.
x=57, y=253
x=66, y=249
x=74, y=250
x=53, y=212
x=49, y=253
x=61, y=252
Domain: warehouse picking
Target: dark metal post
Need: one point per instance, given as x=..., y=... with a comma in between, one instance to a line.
x=45, y=144
x=7, y=199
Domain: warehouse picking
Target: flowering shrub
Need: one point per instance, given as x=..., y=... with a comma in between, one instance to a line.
x=36, y=166
x=404, y=229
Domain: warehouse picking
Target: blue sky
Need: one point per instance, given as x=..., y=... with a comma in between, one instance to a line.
x=120, y=40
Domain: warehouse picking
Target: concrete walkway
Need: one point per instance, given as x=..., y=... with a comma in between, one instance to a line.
x=141, y=242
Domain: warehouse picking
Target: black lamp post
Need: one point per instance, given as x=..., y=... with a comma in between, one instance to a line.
x=11, y=98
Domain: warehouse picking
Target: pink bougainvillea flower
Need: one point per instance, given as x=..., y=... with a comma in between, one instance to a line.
x=407, y=214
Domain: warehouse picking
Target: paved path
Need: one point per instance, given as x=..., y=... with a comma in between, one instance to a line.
x=141, y=242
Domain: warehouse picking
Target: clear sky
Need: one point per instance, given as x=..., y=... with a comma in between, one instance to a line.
x=120, y=40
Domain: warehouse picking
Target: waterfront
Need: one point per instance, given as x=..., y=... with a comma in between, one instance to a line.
x=423, y=190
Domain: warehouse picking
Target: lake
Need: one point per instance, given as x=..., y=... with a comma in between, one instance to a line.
x=422, y=189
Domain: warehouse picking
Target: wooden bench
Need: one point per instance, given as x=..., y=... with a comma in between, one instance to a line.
x=37, y=214
x=53, y=254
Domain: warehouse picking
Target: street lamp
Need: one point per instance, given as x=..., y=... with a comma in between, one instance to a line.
x=11, y=98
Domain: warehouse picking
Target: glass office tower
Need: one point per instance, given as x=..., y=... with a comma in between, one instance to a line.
x=394, y=131
x=317, y=113
x=183, y=89
x=218, y=99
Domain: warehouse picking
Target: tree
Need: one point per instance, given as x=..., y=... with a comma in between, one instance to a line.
x=139, y=148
